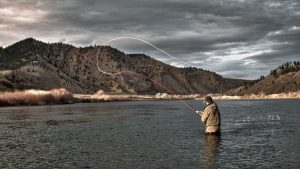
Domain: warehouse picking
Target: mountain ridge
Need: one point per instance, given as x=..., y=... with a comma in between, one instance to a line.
x=39, y=65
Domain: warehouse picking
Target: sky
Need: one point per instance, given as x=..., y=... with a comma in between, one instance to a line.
x=235, y=38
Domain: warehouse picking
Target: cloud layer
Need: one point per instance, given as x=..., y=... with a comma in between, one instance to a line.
x=235, y=38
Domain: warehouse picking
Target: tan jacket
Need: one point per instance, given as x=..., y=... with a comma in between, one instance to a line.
x=211, y=118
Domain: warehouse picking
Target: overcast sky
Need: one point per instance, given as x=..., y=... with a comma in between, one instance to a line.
x=235, y=38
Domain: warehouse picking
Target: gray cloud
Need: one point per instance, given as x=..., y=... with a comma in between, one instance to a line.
x=235, y=38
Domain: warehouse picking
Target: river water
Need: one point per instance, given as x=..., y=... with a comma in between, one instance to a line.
x=150, y=134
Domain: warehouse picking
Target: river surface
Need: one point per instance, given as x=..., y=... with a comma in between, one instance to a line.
x=150, y=134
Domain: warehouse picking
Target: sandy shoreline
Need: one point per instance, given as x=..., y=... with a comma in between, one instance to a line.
x=101, y=96
x=62, y=96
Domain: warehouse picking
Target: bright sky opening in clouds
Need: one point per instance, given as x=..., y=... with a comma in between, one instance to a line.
x=235, y=38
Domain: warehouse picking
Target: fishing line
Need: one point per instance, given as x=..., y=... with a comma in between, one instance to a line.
x=150, y=44
x=125, y=71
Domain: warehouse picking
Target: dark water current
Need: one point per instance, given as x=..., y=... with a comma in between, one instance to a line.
x=150, y=134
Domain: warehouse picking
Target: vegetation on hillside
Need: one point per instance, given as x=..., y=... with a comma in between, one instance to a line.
x=19, y=53
x=286, y=68
x=40, y=65
x=285, y=78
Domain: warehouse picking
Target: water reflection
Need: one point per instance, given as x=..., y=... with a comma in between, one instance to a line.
x=19, y=115
x=211, y=151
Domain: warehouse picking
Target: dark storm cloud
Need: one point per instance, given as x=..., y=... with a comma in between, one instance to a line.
x=236, y=38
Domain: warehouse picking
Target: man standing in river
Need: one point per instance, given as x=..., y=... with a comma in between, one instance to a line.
x=211, y=117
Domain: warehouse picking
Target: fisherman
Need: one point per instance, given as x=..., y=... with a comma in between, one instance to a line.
x=211, y=117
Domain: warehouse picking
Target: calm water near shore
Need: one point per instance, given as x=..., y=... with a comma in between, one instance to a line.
x=150, y=134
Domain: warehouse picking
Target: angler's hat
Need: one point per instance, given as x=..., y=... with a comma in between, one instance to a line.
x=208, y=99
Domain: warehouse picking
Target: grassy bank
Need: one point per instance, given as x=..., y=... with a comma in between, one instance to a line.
x=62, y=96
x=288, y=95
x=36, y=97
x=101, y=96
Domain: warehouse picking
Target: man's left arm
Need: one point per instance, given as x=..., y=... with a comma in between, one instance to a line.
x=204, y=115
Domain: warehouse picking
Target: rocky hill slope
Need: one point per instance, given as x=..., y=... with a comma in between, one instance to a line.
x=286, y=78
x=38, y=65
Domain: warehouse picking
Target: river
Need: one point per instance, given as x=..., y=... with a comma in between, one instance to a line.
x=150, y=134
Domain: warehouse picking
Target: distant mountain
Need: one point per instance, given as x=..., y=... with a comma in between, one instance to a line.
x=35, y=64
x=285, y=78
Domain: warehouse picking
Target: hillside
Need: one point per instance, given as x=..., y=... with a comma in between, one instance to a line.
x=285, y=78
x=35, y=64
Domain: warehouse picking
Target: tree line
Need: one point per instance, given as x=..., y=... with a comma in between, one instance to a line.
x=286, y=68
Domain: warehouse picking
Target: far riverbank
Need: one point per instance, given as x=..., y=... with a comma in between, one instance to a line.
x=62, y=96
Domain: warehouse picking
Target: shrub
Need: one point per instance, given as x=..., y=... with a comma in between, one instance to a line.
x=36, y=97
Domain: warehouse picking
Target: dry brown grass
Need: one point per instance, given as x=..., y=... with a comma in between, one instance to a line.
x=100, y=95
x=36, y=97
x=286, y=95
